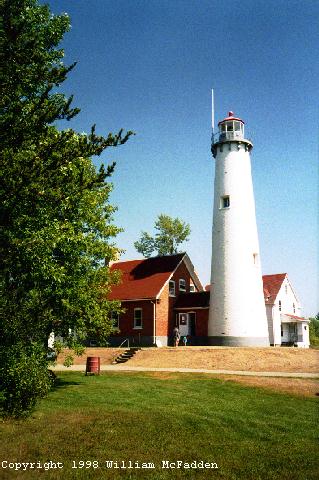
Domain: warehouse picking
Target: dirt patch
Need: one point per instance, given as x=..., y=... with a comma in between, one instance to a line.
x=293, y=386
x=214, y=358
x=107, y=355
x=227, y=358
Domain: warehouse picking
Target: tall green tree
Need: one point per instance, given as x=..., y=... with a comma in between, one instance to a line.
x=55, y=217
x=170, y=234
x=314, y=331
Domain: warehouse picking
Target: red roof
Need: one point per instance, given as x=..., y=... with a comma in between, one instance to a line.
x=294, y=317
x=231, y=117
x=272, y=285
x=144, y=278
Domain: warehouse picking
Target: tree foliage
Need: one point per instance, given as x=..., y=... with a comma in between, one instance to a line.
x=314, y=331
x=170, y=234
x=25, y=377
x=55, y=216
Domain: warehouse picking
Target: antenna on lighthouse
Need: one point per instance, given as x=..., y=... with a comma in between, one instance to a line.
x=213, y=111
x=213, y=116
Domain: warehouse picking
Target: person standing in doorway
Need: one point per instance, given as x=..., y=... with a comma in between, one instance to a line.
x=176, y=337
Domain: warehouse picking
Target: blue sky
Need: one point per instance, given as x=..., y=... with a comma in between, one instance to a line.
x=150, y=65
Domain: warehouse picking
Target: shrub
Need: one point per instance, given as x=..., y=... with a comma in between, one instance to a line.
x=314, y=331
x=24, y=377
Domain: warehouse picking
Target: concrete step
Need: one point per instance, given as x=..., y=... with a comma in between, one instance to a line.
x=125, y=356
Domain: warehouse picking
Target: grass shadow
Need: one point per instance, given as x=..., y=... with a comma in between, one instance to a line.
x=60, y=383
x=57, y=384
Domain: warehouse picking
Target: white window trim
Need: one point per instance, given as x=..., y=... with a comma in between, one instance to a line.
x=171, y=294
x=138, y=327
x=222, y=201
x=182, y=285
x=180, y=315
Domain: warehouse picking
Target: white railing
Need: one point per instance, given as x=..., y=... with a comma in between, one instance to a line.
x=126, y=340
x=224, y=136
x=117, y=354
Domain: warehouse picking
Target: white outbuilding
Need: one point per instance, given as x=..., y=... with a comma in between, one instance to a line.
x=285, y=324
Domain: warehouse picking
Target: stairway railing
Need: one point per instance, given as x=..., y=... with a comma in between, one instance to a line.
x=128, y=346
x=128, y=343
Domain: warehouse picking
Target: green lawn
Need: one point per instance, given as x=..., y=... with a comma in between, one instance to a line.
x=250, y=433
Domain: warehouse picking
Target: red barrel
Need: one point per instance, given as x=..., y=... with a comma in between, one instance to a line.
x=92, y=365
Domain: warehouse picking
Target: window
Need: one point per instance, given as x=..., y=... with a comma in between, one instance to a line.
x=282, y=332
x=230, y=127
x=171, y=288
x=192, y=288
x=237, y=126
x=224, y=201
x=183, y=318
x=294, y=307
x=305, y=327
x=115, y=316
x=182, y=285
x=255, y=255
x=279, y=305
x=286, y=289
x=138, y=318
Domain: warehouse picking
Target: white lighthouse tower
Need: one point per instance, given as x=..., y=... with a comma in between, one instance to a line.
x=237, y=315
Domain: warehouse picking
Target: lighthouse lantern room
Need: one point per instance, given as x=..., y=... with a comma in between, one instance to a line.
x=237, y=315
x=231, y=128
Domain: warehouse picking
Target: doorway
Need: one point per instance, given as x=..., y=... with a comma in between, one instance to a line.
x=183, y=324
x=187, y=323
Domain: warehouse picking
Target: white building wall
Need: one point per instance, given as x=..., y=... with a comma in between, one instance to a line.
x=289, y=302
x=269, y=314
x=237, y=301
x=303, y=335
x=276, y=326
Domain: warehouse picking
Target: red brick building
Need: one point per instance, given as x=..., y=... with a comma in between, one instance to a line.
x=153, y=292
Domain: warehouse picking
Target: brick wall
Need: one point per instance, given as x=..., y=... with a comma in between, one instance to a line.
x=202, y=322
x=126, y=324
x=162, y=309
x=165, y=315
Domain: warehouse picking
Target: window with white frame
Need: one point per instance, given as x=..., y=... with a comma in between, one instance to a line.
x=279, y=304
x=294, y=307
x=225, y=201
x=138, y=318
x=182, y=285
x=192, y=288
x=171, y=287
x=115, y=316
